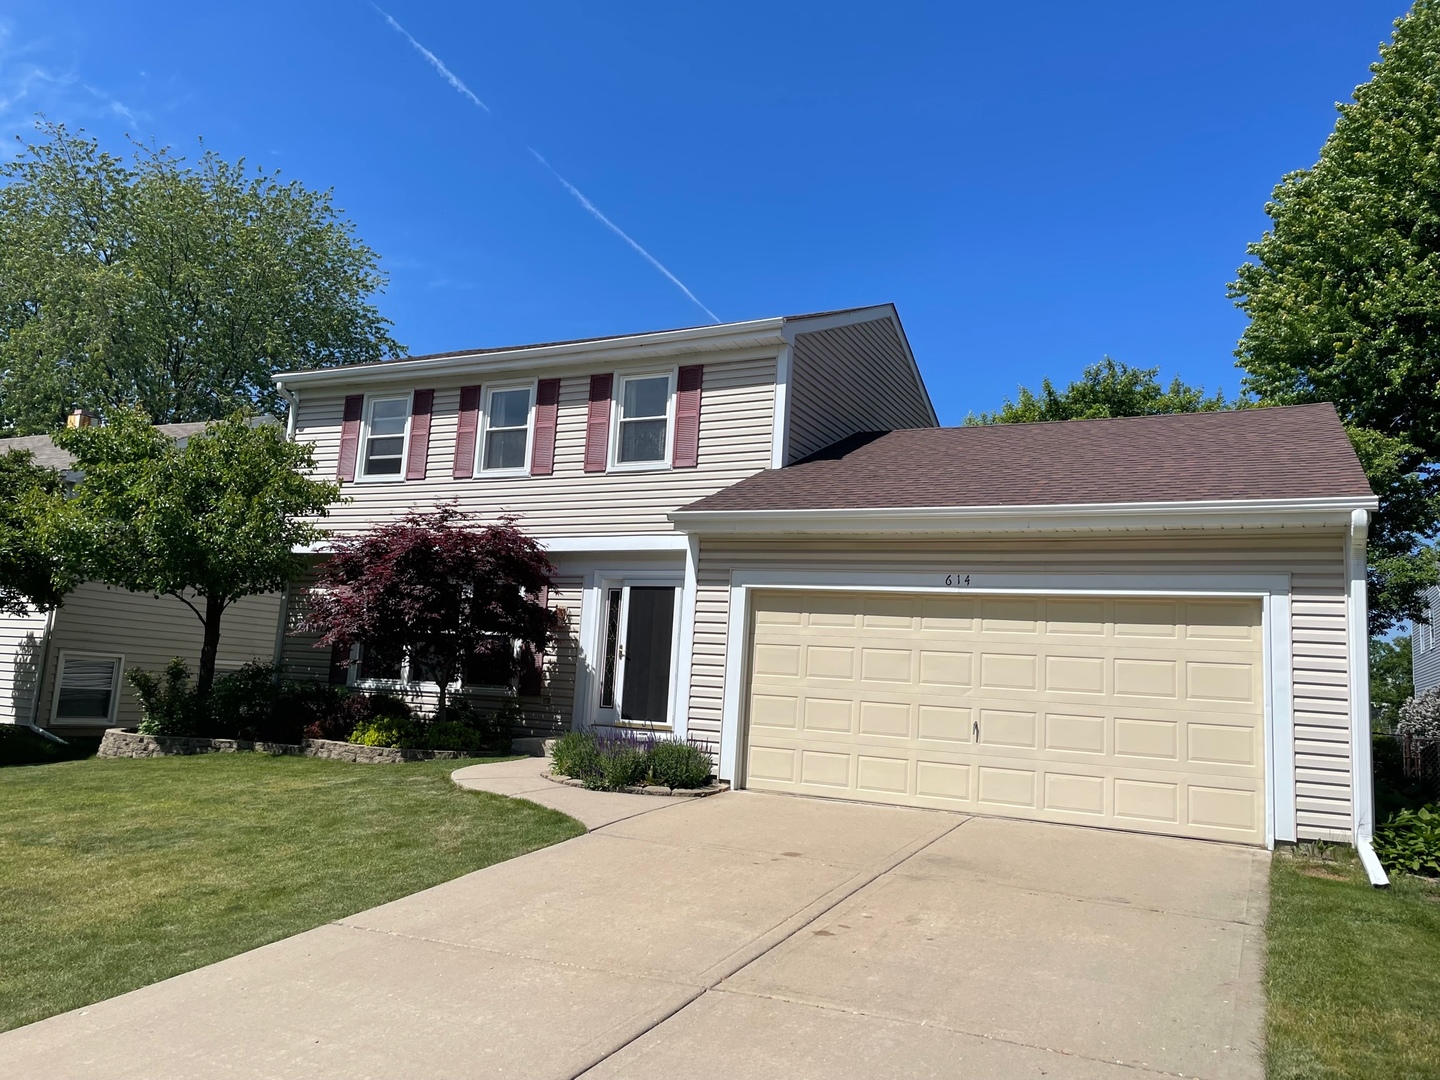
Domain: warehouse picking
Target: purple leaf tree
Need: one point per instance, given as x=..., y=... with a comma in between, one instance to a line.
x=437, y=589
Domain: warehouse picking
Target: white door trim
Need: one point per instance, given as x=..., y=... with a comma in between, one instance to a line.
x=1273, y=590
x=592, y=638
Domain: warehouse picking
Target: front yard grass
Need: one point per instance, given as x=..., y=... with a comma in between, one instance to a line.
x=1353, y=973
x=118, y=873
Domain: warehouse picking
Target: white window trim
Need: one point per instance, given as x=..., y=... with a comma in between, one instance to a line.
x=65, y=654
x=1273, y=590
x=616, y=405
x=489, y=391
x=370, y=400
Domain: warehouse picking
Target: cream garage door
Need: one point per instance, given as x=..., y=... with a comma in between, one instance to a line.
x=1129, y=713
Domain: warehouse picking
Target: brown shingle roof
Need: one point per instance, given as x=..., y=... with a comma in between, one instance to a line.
x=1296, y=452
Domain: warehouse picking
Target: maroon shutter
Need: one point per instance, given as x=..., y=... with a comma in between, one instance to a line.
x=597, y=423
x=687, y=417
x=547, y=417
x=350, y=436
x=417, y=457
x=465, y=432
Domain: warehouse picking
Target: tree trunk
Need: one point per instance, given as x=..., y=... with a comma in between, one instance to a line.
x=440, y=704
x=205, y=678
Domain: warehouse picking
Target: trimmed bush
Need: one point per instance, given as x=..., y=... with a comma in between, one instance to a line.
x=243, y=702
x=624, y=759
x=387, y=731
x=677, y=764
x=1410, y=842
x=575, y=755
x=167, y=700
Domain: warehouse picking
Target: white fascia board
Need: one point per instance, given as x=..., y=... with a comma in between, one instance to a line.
x=1068, y=517
x=701, y=339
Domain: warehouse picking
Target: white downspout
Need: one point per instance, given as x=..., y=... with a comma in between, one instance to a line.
x=1362, y=793
x=293, y=400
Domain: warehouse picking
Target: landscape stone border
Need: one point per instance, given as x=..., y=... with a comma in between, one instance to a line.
x=647, y=789
x=128, y=743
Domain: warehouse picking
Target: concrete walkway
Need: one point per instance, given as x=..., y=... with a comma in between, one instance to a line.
x=741, y=935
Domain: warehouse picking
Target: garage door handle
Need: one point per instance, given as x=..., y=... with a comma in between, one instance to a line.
x=977, y=730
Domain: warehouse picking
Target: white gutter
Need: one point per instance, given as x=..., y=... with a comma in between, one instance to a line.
x=755, y=333
x=1334, y=512
x=1362, y=794
x=44, y=660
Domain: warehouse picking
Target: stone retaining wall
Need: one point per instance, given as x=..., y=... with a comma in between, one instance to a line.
x=123, y=743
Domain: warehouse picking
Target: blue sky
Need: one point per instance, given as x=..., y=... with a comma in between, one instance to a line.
x=1033, y=187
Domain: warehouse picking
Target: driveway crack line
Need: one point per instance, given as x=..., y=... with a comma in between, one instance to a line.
x=771, y=940
x=941, y=1025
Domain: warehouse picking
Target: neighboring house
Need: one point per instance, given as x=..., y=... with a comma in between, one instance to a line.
x=65, y=670
x=1425, y=645
x=765, y=542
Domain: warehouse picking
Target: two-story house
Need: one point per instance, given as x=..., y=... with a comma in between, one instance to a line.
x=764, y=540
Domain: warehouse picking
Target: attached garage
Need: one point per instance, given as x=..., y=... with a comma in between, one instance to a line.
x=1154, y=624
x=1137, y=713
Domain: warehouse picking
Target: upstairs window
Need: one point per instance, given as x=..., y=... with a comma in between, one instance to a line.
x=384, y=454
x=506, y=445
x=643, y=426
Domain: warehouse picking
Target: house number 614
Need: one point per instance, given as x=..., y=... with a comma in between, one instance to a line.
x=957, y=579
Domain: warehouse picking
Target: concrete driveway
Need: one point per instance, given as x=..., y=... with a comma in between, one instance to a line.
x=743, y=935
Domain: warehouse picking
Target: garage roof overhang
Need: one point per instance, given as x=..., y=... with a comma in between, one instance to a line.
x=1055, y=518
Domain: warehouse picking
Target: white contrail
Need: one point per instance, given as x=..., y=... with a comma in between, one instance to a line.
x=435, y=62
x=595, y=210
x=459, y=85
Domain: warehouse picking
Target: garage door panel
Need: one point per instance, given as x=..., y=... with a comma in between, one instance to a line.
x=1140, y=713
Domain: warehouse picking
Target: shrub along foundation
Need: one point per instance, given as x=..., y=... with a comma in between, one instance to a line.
x=128, y=743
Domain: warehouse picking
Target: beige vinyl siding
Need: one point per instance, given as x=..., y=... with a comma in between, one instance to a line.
x=545, y=715
x=850, y=379
x=736, y=418
x=22, y=639
x=1314, y=561
x=1322, y=703
x=147, y=631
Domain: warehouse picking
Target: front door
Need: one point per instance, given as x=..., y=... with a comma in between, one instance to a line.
x=638, y=640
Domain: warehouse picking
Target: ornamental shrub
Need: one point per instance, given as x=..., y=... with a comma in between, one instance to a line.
x=1410, y=842
x=624, y=761
x=387, y=731
x=627, y=759
x=575, y=755
x=242, y=705
x=676, y=764
x=1420, y=716
x=167, y=700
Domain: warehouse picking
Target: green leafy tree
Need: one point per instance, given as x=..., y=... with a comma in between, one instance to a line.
x=174, y=288
x=1343, y=296
x=32, y=575
x=1392, y=682
x=210, y=520
x=1105, y=389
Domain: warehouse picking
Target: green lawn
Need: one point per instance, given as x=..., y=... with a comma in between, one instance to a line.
x=117, y=873
x=1353, y=974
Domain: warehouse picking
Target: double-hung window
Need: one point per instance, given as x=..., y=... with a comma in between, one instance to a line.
x=87, y=687
x=506, y=445
x=384, y=452
x=642, y=435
